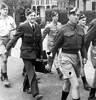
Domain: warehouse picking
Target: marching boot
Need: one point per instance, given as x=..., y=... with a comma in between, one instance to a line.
x=86, y=86
x=59, y=73
x=92, y=94
x=64, y=95
x=6, y=81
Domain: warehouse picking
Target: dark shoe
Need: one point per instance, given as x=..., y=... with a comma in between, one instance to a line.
x=2, y=77
x=6, y=83
x=92, y=94
x=28, y=91
x=38, y=97
x=93, y=98
x=23, y=73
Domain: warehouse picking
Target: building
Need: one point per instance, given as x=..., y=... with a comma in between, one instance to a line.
x=83, y=5
x=41, y=5
x=65, y=3
x=87, y=5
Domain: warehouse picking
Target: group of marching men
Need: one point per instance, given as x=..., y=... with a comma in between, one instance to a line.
x=67, y=46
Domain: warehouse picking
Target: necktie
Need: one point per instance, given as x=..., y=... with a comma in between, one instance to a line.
x=33, y=28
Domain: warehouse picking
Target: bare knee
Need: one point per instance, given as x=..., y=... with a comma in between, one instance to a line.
x=66, y=85
x=75, y=85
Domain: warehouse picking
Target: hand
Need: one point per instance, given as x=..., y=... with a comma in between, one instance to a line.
x=95, y=67
x=84, y=60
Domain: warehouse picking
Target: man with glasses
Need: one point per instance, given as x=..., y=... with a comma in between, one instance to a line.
x=31, y=49
x=71, y=40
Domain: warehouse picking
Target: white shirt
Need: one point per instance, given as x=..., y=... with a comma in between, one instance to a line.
x=6, y=25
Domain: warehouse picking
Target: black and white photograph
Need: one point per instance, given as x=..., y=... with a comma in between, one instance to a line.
x=47, y=49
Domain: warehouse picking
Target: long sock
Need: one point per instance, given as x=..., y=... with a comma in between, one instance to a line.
x=64, y=95
x=84, y=80
x=92, y=92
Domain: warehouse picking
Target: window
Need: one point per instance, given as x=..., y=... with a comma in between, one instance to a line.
x=37, y=2
x=47, y=2
x=42, y=2
x=33, y=2
x=93, y=5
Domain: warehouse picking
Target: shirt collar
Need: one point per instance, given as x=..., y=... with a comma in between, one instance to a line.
x=32, y=24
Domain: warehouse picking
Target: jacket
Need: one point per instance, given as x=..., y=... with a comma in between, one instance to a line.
x=71, y=39
x=31, y=47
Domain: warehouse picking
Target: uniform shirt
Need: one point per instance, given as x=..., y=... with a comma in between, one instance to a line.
x=71, y=40
x=52, y=30
x=6, y=25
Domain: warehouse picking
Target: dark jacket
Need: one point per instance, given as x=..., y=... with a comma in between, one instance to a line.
x=71, y=40
x=31, y=47
x=91, y=34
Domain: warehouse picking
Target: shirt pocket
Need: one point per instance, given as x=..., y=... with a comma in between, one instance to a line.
x=69, y=39
x=28, y=38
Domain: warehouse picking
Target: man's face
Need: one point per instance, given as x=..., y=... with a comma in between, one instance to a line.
x=32, y=17
x=4, y=11
x=55, y=18
x=74, y=17
x=82, y=21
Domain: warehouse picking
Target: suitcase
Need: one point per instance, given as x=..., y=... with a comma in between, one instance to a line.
x=41, y=63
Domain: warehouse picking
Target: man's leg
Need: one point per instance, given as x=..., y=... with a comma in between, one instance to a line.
x=75, y=87
x=4, y=76
x=85, y=83
x=66, y=89
x=92, y=94
x=30, y=71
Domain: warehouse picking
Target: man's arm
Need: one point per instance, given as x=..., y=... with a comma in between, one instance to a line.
x=40, y=42
x=83, y=51
x=91, y=35
x=58, y=41
x=13, y=41
x=45, y=32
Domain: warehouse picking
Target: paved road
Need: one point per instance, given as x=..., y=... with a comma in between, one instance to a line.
x=50, y=85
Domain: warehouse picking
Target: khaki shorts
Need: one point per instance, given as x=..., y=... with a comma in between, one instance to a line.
x=69, y=65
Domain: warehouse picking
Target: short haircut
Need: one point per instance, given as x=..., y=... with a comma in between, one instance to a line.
x=72, y=10
x=54, y=13
x=28, y=11
x=3, y=5
x=82, y=16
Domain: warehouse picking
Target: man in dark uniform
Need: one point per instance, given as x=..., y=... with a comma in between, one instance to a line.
x=91, y=37
x=71, y=40
x=31, y=49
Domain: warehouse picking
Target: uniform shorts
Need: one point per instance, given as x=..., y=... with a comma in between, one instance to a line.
x=69, y=65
